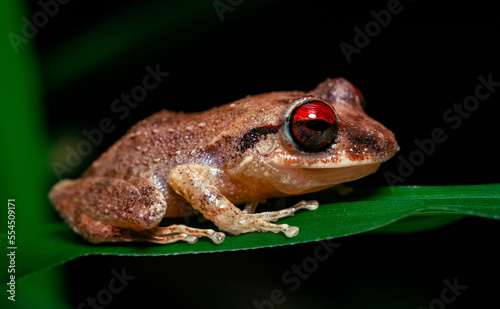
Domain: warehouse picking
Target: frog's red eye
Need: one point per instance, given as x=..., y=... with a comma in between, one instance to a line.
x=313, y=125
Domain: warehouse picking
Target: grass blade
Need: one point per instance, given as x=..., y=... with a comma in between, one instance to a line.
x=364, y=210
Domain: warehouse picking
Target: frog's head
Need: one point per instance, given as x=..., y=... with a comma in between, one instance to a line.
x=311, y=141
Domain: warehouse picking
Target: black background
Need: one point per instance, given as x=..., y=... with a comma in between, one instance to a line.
x=427, y=59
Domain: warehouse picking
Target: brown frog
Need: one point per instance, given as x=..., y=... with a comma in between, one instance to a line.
x=262, y=146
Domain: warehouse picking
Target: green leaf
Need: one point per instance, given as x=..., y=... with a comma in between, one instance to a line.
x=53, y=242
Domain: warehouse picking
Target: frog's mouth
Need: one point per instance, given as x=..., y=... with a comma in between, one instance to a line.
x=303, y=180
x=293, y=180
x=338, y=174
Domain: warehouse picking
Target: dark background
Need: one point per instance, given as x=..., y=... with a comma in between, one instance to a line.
x=426, y=59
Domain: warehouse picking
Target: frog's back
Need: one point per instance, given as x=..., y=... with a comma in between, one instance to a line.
x=155, y=145
x=166, y=139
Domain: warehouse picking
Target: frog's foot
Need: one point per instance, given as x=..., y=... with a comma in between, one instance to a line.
x=287, y=212
x=247, y=223
x=173, y=233
x=261, y=221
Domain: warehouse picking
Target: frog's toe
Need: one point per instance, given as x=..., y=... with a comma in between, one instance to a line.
x=217, y=237
x=311, y=205
x=190, y=239
x=291, y=231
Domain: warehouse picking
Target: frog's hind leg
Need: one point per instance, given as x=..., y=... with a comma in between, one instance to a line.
x=164, y=235
x=98, y=232
x=133, y=203
x=105, y=209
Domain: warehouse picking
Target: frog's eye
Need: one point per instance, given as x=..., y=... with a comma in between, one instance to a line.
x=313, y=125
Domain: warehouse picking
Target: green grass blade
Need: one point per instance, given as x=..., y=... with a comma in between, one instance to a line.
x=364, y=210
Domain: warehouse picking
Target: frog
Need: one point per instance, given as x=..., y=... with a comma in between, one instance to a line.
x=222, y=163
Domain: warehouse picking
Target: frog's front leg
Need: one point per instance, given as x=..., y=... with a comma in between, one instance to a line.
x=287, y=212
x=104, y=209
x=193, y=182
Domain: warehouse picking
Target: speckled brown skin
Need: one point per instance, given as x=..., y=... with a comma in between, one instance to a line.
x=176, y=164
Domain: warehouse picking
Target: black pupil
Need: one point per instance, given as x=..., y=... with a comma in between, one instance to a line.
x=313, y=126
x=318, y=125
